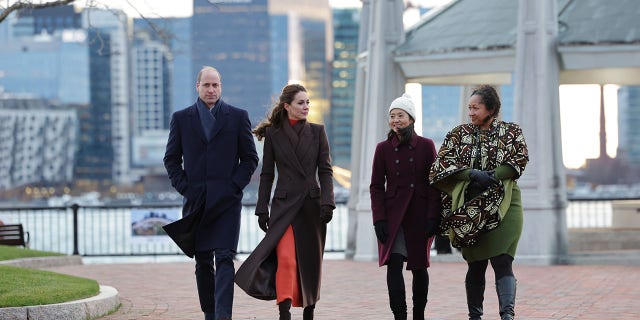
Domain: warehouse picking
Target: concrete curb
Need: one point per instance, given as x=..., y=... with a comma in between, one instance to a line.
x=102, y=304
x=43, y=262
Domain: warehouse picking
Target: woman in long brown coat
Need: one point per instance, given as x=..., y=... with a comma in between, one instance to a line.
x=287, y=264
x=405, y=208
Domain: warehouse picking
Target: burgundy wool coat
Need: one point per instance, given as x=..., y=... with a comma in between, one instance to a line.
x=305, y=182
x=400, y=194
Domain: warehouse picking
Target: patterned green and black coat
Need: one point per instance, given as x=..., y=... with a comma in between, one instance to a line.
x=501, y=148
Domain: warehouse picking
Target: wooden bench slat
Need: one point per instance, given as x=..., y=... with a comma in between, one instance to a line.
x=13, y=235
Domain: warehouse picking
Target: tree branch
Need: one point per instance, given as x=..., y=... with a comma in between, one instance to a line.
x=29, y=5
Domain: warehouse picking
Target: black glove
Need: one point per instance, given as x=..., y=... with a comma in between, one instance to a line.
x=433, y=224
x=382, y=230
x=484, y=178
x=263, y=221
x=326, y=213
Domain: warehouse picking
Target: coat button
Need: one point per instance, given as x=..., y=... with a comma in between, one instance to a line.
x=396, y=149
x=410, y=159
x=397, y=161
x=410, y=148
x=411, y=185
x=397, y=173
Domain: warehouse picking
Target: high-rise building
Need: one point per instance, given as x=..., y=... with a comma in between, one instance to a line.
x=260, y=45
x=40, y=45
x=38, y=65
x=96, y=43
x=151, y=105
x=37, y=142
x=343, y=76
x=151, y=87
x=95, y=144
x=110, y=37
x=50, y=19
x=628, y=119
x=234, y=37
x=175, y=33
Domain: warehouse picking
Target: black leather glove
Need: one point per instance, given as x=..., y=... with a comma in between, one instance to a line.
x=433, y=224
x=484, y=178
x=326, y=213
x=382, y=230
x=263, y=221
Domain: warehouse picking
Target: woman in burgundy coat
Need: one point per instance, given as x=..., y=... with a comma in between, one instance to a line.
x=405, y=208
x=287, y=264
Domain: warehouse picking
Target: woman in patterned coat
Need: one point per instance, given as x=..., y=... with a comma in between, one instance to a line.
x=405, y=208
x=476, y=168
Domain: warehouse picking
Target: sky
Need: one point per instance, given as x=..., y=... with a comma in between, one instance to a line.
x=579, y=104
x=169, y=8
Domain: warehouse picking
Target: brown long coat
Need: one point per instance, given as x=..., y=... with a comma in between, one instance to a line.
x=305, y=181
x=401, y=195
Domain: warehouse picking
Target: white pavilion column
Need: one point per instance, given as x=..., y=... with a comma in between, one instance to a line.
x=544, y=238
x=356, y=129
x=379, y=83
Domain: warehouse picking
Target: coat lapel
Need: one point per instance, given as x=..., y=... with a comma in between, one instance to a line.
x=221, y=119
x=281, y=140
x=306, y=137
x=196, y=125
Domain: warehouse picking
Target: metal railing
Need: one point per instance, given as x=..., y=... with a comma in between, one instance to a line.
x=107, y=230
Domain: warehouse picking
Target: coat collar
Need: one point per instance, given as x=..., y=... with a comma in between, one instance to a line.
x=286, y=138
x=412, y=142
x=221, y=118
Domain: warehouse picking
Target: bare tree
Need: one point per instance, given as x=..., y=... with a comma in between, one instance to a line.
x=17, y=5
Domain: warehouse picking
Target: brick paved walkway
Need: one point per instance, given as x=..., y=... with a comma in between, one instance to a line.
x=357, y=290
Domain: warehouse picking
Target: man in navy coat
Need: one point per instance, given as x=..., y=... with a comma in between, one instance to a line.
x=210, y=158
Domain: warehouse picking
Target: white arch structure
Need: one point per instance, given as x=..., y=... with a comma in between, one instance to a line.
x=534, y=44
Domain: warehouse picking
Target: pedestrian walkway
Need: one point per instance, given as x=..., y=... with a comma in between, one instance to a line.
x=357, y=290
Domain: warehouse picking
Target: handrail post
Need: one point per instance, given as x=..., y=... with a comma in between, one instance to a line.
x=75, y=208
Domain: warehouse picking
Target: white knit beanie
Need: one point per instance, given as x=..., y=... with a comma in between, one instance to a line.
x=405, y=103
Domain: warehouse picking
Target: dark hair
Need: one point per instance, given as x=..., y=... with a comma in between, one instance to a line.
x=489, y=97
x=404, y=134
x=278, y=113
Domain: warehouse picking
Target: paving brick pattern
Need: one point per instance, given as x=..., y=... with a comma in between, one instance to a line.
x=357, y=290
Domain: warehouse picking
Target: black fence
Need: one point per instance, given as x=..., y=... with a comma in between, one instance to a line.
x=136, y=230
x=132, y=230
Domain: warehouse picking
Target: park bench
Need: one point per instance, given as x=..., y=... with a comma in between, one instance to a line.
x=13, y=235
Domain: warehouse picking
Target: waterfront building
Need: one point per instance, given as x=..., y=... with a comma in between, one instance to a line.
x=37, y=142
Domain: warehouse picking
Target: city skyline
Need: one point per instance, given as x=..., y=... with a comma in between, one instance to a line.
x=579, y=104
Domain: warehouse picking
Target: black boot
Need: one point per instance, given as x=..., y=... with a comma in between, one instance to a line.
x=398, y=304
x=307, y=313
x=284, y=307
x=506, y=289
x=395, y=286
x=475, y=297
x=420, y=289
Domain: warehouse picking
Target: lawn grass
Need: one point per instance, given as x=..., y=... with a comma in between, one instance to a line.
x=11, y=252
x=27, y=287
